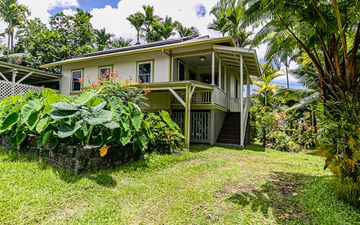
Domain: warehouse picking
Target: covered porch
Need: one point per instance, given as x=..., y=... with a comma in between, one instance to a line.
x=216, y=79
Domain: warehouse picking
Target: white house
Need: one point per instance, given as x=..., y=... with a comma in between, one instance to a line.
x=198, y=80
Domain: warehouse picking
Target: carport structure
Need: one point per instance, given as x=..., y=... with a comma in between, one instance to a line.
x=16, y=79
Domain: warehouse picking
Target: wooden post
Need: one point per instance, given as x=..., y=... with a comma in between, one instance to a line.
x=220, y=76
x=213, y=69
x=225, y=79
x=241, y=101
x=171, y=68
x=14, y=74
x=187, y=117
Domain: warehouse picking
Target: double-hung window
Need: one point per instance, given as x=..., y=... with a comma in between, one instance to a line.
x=144, y=71
x=104, y=71
x=76, y=80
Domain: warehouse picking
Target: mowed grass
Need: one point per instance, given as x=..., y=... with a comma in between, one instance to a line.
x=210, y=185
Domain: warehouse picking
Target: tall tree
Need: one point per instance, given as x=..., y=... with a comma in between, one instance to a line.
x=12, y=13
x=120, y=42
x=228, y=20
x=265, y=93
x=329, y=34
x=185, y=31
x=137, y=20
x=165, y=28
x=151, y=33
x=103, y=39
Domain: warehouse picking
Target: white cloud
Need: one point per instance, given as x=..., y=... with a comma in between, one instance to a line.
x=69, y=12
x=184, y=11
x=63, y=4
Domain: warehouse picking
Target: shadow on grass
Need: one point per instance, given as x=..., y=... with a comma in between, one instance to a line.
x=294, y=198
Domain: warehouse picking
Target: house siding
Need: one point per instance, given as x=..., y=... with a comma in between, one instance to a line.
x=125, y=66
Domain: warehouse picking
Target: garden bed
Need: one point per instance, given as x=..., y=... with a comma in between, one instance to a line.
x=78, y=159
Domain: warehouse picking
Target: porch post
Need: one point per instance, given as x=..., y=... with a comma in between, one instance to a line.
x=220, y=74
x=241, y=101
x=171, y=68
x=14, y=74
x=225, y=79
x=187, y=117
x=213, y=68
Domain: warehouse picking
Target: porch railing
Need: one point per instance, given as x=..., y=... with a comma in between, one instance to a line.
x=215, y=97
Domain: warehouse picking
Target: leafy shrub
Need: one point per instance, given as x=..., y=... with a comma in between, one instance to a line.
x=165, y=134
x=96, y=118
x=281, y=141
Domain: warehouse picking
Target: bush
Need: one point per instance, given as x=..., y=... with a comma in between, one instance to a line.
x=166, y=136
x=281, y=141
x=97, y=117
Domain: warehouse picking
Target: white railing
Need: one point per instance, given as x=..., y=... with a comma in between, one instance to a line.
x=219, y=97
x=234, y=104
x=215, y=97
x=200, y=125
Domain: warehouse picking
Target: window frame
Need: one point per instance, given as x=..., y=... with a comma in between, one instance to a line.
x=152, y=63
x=111, y=67
x=72, y=80
x=183, y=64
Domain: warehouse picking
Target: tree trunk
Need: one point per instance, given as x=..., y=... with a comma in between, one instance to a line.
x=287, y=75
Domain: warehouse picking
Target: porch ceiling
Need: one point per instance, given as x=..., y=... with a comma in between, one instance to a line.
x=230, y=56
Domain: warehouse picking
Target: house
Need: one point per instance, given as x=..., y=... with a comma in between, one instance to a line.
x=199, y=80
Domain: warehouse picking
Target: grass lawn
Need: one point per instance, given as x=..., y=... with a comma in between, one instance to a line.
x=208, y=185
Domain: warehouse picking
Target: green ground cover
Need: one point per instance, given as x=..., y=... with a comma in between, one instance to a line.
x=216, y=185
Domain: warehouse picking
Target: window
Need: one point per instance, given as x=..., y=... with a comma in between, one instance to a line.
x=77, y=75
x=103, y=70
x=181, y=71
x=144, y=71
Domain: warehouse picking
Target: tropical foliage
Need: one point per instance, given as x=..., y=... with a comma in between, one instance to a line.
x=326, y=36
x=96, y=118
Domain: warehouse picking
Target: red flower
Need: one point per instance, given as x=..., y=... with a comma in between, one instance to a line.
x=80, y=80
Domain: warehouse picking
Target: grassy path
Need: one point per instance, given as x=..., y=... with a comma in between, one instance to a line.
x=210, y=185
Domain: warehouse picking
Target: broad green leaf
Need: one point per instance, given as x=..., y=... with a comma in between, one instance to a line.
x=32, y=120
x=63, y=114
x=85, y=97
x=112, y=125
x=9, y=121
x=19, y=138
x=64, y=106
x=67, y=131
x=125, y=137
x=44, y=138
x=142, y=141
x=42, y=124
x=104, y=117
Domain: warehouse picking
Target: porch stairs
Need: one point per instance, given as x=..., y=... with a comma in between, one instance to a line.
x=230, y=130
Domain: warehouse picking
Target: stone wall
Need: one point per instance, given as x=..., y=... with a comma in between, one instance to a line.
x=76, y=158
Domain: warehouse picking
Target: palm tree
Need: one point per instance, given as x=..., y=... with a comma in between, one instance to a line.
x=137, y=20
x=120, y=42
x=265, y=95
x=165, y=28
x=103, y=39
x=186, y=32
x=229, y=15
x=13, y=14
x=150, y=20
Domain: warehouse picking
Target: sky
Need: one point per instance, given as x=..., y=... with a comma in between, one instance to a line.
x=111, y=14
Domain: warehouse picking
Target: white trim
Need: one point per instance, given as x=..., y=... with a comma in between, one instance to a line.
x=2, y=75
x=178, y=70
x=24, y=77
x=241, y=101
x=177, y=96
x=213, y=68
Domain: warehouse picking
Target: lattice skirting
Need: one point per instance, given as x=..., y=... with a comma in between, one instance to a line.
x=8, y=89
